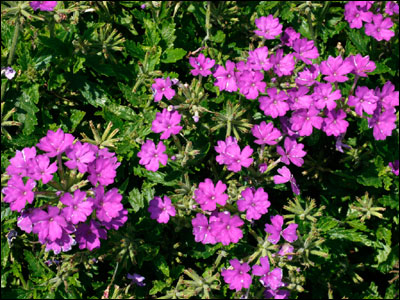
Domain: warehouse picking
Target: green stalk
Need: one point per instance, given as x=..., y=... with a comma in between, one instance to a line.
x=12, y=52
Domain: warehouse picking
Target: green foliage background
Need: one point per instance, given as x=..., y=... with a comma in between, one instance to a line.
x=96, y=61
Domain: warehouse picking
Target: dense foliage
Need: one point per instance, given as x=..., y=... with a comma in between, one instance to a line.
x=177, y=149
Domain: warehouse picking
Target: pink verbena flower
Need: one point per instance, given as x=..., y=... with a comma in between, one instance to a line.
x=21, y=163
x=308, y=76
x=161, y=210
x=254, y=202
x=17, y=193
x=107, y=205
x=266, y=133
x=285, y=176
x=103, y=169
x=364, y=100
x=335, y=69
x=299, y=98
x=226, y=228
x=305, y=50
x=250, y=84
x=55, y=143
x=118, y=221
x=269, y=27
x=258, y=59
x=41, y=169
x=283, y=65
x=391, y=8
x=226, y=79
x=293, y=152
x=208, y=195
x=379, y=29
x=285, y=249
x=289, y=36
x=162, y=87
x=80, y=156
x=43, y=5
x=269, y=278
x=223, y=158
x=383, y=124
x=236, y=276
x=275, y=230
x=167, y=123
x=361, y=65
x=276, y=294
x=50, y=225
x=64, y=243
x=335, y=123
x=304, y=120
x=201, y=65
x=202, y=229
x=150, y=156
x=325, y=97
x=236, y=158
x=77, y=209
x=355, y=15
x=89, y=235
x=389, y=98
x=274, y=104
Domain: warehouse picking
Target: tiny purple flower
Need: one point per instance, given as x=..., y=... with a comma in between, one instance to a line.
x=305, y=50
x=21, y=163
x=361, y=65
x=283, y=65
x=364, y=100
x=274, y=104
x=289, y=36
x=379, y=28
x=394, y=166
x=17, y=193
x=107, y=205
x=89, y=235
x=335, y=123
x=202, y=229
x=41, y=169
x=80, y=156
x=77, y=209
x=226, y=229
x=250, y=84
x=137, y=279
x=308, y=76
x=258, y=59
x=9, y=72
x=273, y=278
x=303, y=121
x=43, y=5
x=226, y=79
x=324, y=97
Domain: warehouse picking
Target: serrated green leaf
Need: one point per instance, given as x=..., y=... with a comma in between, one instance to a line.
x=158, y=286
x=76, y=118
x=162, y=265
x=327, y=223
x=123, y=112
x=135, y=199
x=219, y=37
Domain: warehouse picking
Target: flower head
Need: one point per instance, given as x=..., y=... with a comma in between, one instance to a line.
x=361, y=65
x=201, y=65
x=9, y=72
x=394, y=166
x=269, y=278
x=274, y=104
x=55, y=143
x=107, y=205
x=162, y=87
x=289, y=36
x=167, y=123
x=161, y=210
x=379, y=28
x=208, y=195
x=237, y=276
x=80, y=156
x=43, y=5
x=336, y=69
x=293, y=152
x=137, y=279
x=268, y=27
x=226, y=79
x=335, y=123
x=266, y=134
x=17, y=193
x=255, y=203
x=89, y=235
x=305, y=50
x=202, y=229
x=21, y=163
x=226, y=228
x=364, y=100
x=325, y=97
x=50, y=225
x=250, y=84
x=285, y=176
x=150, y=156
x=275, y=230
x=77, y=209
x=258, y=59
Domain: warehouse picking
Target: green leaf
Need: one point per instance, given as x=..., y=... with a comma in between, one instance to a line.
x=138, y=200
x=5, y=251
x=158, y=286
x=78, y=65
x=327, y=223
x=123, y=112
x=173, y=55
x=29, y=119
x=76, y=118
x=168, y=33
x=369, y=179
x=361, y=41
x=128, y=95
x=219, y=37
x=162, y=265
x=94, y=94
x=34, y=265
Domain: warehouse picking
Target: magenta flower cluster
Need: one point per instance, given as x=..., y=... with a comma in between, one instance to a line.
x=237, y=274
x=359, y=12
x=65, y=219
x=43, y=5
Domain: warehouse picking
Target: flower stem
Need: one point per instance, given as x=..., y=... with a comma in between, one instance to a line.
x=12, y=52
